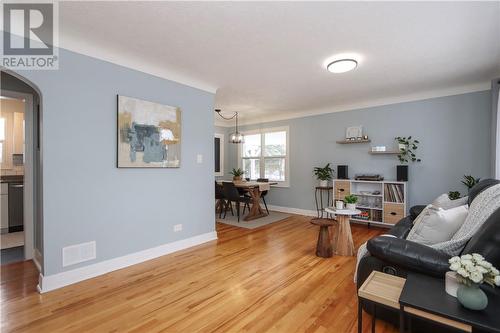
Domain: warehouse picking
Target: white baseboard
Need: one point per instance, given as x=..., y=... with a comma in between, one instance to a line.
x=59, y=280
x=291, y=210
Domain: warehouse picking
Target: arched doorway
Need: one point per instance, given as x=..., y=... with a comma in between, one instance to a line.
x=21, y=176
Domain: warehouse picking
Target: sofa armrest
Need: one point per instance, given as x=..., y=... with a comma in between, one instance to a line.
x=416, y=210
x=409, y=255
x=402, y=228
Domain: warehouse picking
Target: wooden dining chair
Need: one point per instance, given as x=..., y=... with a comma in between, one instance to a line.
x=232, y=195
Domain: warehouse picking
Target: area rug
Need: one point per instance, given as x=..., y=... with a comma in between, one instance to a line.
x=271, y=218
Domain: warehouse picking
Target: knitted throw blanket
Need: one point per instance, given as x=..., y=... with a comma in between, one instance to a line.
x=485, y=204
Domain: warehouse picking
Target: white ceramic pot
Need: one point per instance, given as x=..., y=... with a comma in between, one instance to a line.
x=323, y=183
x=339, y=204
x=351, y=206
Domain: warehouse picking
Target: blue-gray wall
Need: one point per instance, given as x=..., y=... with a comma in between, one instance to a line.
x=85, y=196
x=454, y=132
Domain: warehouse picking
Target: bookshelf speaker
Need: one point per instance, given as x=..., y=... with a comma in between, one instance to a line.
x=342, y=172
x=402, y=173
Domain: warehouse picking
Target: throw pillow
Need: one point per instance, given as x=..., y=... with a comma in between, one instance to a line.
x=443, y=201
x=423, y=213
x=438, y=225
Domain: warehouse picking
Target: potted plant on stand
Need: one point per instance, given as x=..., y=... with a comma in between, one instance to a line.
x=237, y=173
x=350, y=201
x=323, y=175
x=471, y=271
x=407, y=148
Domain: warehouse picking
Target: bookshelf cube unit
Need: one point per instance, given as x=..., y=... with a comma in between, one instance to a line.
x=380, y=202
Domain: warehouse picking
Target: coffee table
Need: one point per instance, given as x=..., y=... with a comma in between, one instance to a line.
x=344, y=243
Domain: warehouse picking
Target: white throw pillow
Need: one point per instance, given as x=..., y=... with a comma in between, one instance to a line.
x=443, y=201
x=437, y=225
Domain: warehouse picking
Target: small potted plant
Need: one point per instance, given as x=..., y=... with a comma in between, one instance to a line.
x=407, y=147
x=470, y=181
x=323, y=175
x=471, y=271
x=350, y=201
x=237, y=173
x=454, y=195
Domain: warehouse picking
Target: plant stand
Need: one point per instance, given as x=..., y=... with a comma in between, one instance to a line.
x=320, y=209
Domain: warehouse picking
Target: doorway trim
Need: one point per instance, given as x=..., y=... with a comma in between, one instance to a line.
x=28, y=195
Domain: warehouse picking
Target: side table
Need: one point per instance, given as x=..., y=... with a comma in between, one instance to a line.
x=324, y=245
x=437, y=306
x=379, y=289
x=344, y=243
x=424, y=297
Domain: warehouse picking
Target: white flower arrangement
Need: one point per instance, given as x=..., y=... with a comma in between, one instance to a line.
x=472, y=268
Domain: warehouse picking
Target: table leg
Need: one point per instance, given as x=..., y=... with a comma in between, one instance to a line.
x=255, y=210
x=401, y=320
x=360, y=316
x=344, y=243
x=324, y=245
x=321, y=202
x=374, y=317
x=316, y=201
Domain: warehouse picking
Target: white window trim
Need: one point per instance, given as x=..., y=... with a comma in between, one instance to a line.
x=222, y=143
x=286, y=183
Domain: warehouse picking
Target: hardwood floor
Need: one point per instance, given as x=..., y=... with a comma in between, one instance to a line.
x=260, y=280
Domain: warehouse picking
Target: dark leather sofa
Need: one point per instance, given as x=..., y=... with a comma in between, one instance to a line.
x=398, y=256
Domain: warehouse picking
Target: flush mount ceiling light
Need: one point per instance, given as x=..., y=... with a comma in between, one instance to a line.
x=341, y=65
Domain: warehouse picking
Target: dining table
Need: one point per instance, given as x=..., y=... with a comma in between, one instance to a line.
x=254, y=189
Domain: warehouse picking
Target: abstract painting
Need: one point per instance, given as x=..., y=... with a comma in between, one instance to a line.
x=149, y=134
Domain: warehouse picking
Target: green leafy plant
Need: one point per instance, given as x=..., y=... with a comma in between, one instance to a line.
x=351, y=199
x=470, y=181
x=454, y=195
x=237, y=172
x=407, y=153
x=325, y=173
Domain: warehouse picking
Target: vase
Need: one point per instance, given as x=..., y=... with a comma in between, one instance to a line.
x=237, y=178
x=472, y=297
x=323, y=183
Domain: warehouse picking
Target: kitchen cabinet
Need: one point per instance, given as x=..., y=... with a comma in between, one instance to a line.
x=4, y=207
x=16, y=207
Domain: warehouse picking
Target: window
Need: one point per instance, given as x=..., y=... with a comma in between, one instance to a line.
x=265, y=155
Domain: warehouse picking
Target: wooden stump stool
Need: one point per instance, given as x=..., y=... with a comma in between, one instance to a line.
x=324, y=247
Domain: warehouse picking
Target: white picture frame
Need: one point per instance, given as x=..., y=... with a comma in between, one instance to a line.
x=354, y=132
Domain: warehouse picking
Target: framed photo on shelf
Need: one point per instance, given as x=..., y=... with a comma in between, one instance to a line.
x=354, y=132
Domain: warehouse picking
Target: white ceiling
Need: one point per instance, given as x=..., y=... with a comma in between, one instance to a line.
x=265, y=59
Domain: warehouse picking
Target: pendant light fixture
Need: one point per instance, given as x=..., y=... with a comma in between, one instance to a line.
x=235, y=137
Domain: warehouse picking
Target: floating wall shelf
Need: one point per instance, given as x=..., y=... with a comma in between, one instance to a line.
x=387, y=152
x=343, y=142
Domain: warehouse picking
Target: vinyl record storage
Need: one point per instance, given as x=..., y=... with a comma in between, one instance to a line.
x=380, y=202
